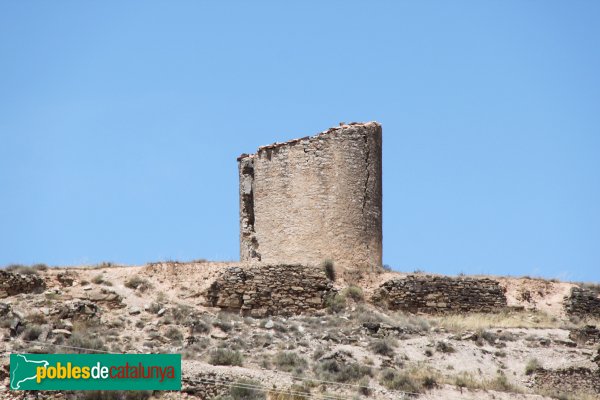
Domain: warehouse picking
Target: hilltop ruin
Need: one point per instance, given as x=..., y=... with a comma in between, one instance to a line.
x=314, y=199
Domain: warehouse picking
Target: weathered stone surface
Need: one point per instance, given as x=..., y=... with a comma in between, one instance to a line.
x=315, y=198
x=569, y=380
x=66, y=278
x=13, y=283
x=441, y=294
x=589, y=335
x=582, y=302
x=76, y=310
x=268, y=290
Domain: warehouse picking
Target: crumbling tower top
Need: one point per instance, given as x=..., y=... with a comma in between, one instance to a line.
x=314, y=199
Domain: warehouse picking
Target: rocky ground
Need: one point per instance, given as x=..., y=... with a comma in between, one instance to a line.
x=351, y=349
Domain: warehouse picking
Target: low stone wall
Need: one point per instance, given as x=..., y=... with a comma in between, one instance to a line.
x=207, y=385
x=588, y=335
x=582, y=302
x=12, y=283
x=441, y=294
x=568, y=380
x=270, y=290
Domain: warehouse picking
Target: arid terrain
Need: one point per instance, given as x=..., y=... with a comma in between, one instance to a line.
x=353, y=347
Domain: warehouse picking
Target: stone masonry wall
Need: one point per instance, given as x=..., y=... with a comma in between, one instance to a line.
x=582, y=302
x=13, y=283
x=441, y=294
x=313, y=199
x=270, y=290
x=568, y=380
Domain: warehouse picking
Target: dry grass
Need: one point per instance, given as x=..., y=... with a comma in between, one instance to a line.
x=480, y=321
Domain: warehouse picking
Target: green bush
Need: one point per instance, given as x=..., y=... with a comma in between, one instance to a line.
x=225, y=357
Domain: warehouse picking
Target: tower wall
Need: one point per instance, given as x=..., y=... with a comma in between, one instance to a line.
x=313, y=199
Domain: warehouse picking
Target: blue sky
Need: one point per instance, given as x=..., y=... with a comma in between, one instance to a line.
x=120, y=123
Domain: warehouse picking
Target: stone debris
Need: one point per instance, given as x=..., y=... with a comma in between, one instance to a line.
x=14, y=283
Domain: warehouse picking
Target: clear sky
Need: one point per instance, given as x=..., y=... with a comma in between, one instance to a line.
x=121, y=121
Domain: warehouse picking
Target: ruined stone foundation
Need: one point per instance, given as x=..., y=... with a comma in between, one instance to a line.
x=314, y=199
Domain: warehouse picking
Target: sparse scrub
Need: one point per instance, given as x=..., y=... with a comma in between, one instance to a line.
x=80, y=343
x=336, y=303
x=22, y=269
x=531, y=366
x=137, y=282
x=174, y=333
x=332, y=370
x=98, y=279
x=383, y=347
x=395, y=380
x=246, y=390
x=329, y=269
x=445, y=347
x=32, y=332
x=354, y=292
x=290, y=362
x=225, y=357
x=36, y=318
x=294, y=392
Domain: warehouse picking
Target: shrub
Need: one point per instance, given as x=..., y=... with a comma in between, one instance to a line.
x=329, y=269
x=445, y=347
x=354, y=292
x=137, y=282
x=225, y=357
x=531, y=366
x=335, y=303
x=40, y=267
x=174, y=334
x=98, y=279
x=247, y=390
x=180, y=313
x=199, y=326
x=383, y=347
x=331, y=370
x=288, y=361
x=36, y=318
x=394, y=380
x=363, y=386
x=21, y=269
x=32, y=332
x=79, y=343
x=295, y=392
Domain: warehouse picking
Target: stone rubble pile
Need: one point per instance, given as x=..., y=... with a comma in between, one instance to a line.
x=13, y=283
x=441, y=294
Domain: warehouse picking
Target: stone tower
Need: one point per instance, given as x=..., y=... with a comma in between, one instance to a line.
x=314, y=199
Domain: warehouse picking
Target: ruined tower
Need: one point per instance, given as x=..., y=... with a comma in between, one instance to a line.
x=314, y=199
